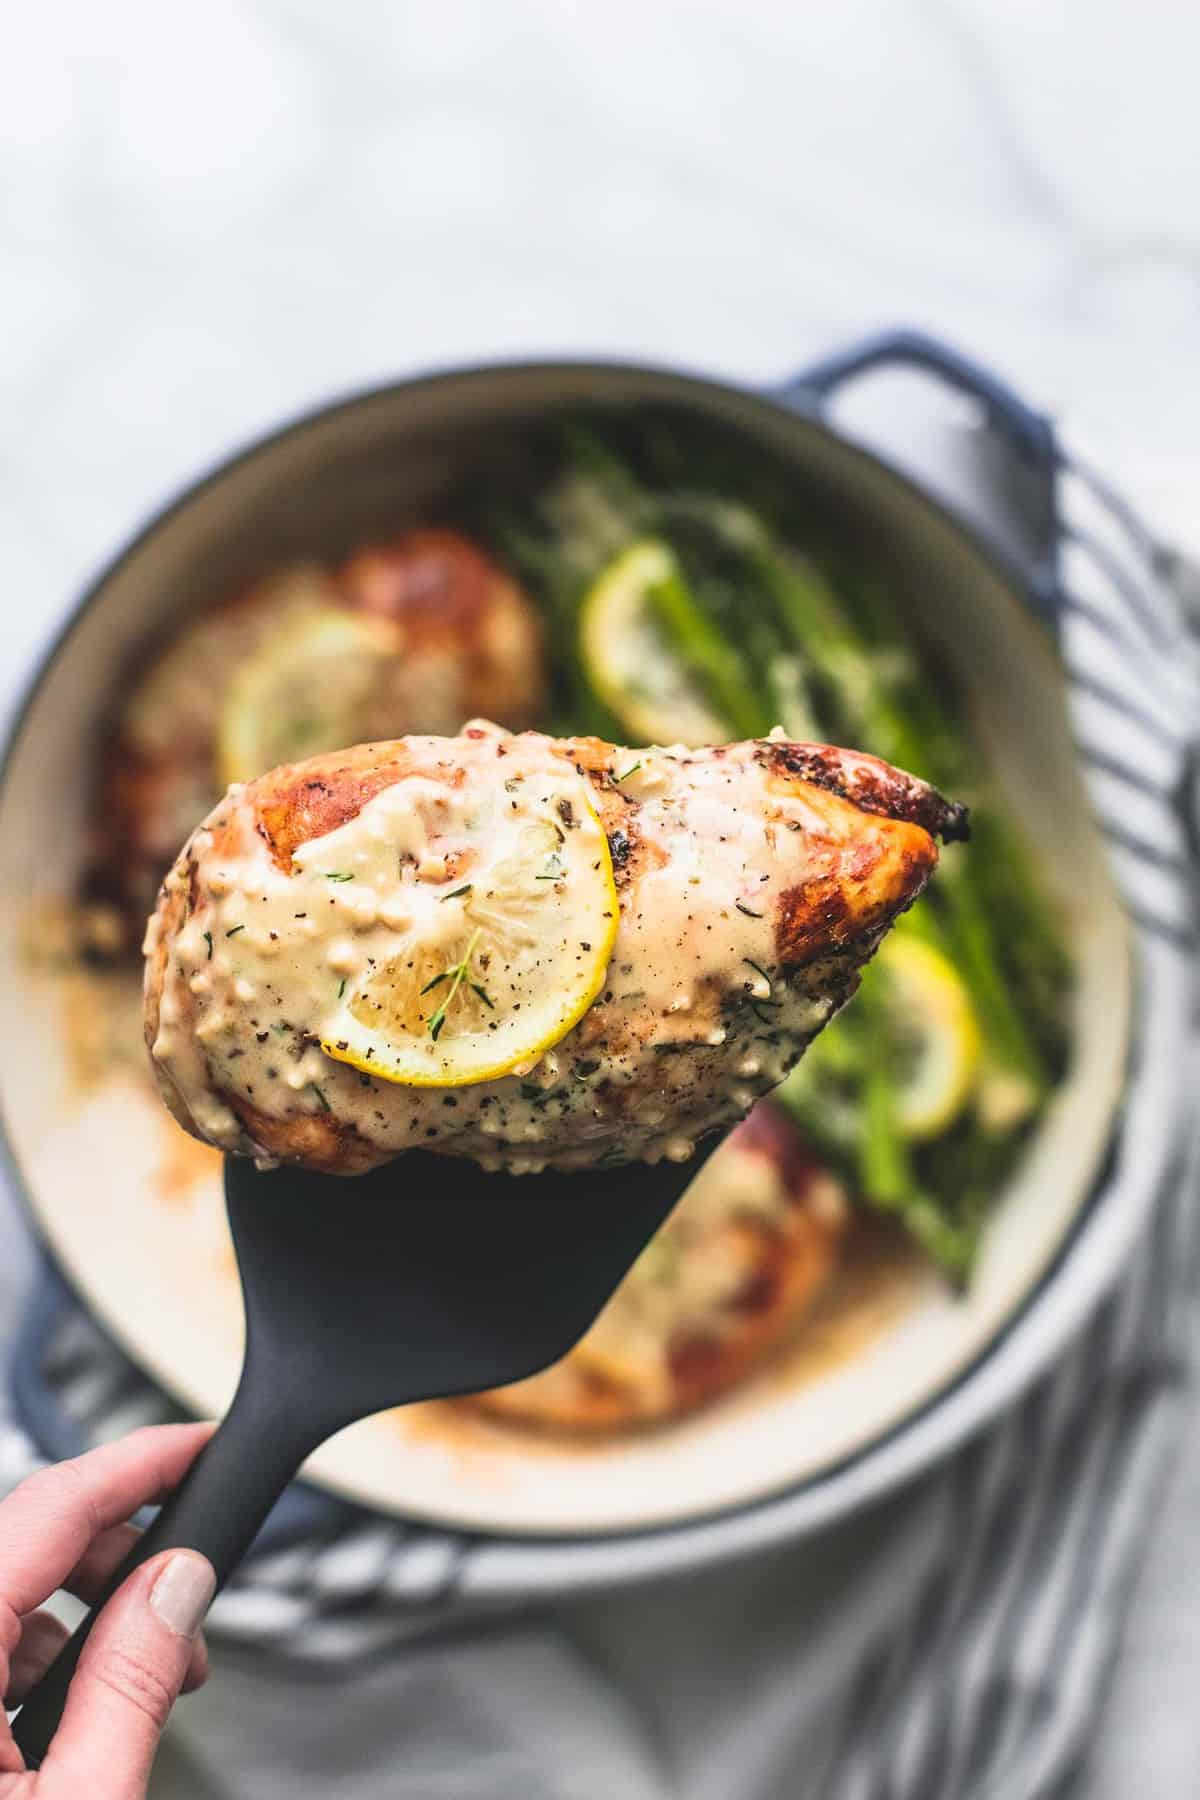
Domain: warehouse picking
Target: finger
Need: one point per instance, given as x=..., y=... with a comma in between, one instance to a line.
x=42, y=1635
x=42, y=1638
x=132, y=1668
x=90, y=1577
x=197, y=1669
x=100, y=1562
x=96, y=1568
x=47, y=1524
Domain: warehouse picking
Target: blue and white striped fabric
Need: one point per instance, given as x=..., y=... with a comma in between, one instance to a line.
x=990, y=1684
x=981, y=1678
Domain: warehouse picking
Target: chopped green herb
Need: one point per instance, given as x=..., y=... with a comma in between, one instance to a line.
x=631, y=770
x=341, y=987
x=458, y=892
x=483, y=995
x=456, y=976
x=208, y=941
x=320, y=1093
x=234, y=929
x=758, y=968
x=747, y=910
x=339, y=877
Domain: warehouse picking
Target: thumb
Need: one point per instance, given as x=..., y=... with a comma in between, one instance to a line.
x=128, y=1679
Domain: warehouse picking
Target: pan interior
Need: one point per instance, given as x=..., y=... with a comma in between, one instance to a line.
x=149, y=1252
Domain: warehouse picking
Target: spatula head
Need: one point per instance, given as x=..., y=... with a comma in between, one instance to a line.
x=429, y=1277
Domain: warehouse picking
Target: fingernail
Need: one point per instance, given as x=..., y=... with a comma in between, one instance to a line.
x=183, y=1593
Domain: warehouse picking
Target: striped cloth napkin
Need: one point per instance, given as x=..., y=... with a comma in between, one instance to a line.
x=951, y=1644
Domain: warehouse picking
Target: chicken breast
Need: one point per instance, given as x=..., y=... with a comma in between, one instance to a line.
x=468, y=638
x=421, y=943
x=446, y=634
x=744, y=1256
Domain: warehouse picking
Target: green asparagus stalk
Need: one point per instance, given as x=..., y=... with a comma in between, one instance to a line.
x=710, y=657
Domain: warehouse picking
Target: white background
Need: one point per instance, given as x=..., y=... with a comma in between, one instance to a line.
x=211, y=215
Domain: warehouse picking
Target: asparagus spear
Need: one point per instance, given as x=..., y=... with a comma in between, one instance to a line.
x=711, y=658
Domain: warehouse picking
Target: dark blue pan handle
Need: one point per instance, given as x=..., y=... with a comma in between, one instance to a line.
x=1030, y=435
x=1031, y=432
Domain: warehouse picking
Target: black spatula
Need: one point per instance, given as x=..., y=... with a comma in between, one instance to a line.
x=424, y=1279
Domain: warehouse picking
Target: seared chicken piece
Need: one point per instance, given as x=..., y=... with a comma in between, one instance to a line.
x=420, y=943
x=433, y=632
x=468, y=638
x=746, y=1253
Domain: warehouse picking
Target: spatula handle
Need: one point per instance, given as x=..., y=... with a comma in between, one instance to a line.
x=217, y=1510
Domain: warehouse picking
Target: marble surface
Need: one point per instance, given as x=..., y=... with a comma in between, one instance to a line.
x=214, y=216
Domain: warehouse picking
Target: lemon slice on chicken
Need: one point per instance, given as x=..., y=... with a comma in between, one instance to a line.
x=496, y=969
x=628, y=660
x=319, y=681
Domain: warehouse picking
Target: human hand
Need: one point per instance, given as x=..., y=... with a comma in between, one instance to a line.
x=65, y=1528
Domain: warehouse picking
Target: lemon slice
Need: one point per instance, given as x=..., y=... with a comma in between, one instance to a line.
x=176, y=706
x=496, y=971
x=318, y=682
x=628, y=661
x=914, y=1019
x=938, y=1038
